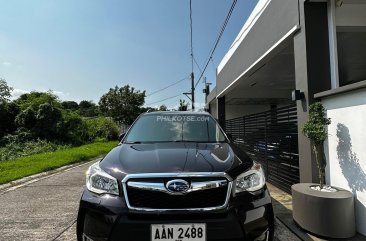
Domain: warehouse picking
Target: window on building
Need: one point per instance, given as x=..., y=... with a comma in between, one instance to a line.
x=351, y=55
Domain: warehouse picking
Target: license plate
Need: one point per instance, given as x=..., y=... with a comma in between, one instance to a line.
x=178, y=232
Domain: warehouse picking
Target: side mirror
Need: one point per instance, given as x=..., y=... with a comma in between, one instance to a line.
x=120, y=137
x=230, y=136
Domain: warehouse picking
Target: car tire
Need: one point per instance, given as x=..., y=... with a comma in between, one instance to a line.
x=80, y=224
x=271, y=224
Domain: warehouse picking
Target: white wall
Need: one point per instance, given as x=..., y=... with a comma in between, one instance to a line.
x=234, y=111
x=253, y=17
x=346, y=148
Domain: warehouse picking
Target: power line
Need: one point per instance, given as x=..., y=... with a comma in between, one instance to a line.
x=218, y=39
x=191, y=30
x=213, y=66
x=171, y=104
x=197, y=65
x=192, y=56
x=164, y=99
x=159, y=90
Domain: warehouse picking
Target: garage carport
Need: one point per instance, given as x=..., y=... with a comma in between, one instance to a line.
x=262, y=118
x=252, y=98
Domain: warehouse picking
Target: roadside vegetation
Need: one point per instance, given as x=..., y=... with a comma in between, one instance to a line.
x=33, y=164
x=14, y=150
x=39, y=132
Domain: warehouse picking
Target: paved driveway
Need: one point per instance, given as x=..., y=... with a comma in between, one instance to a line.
x=46, y=209
x=43, y=210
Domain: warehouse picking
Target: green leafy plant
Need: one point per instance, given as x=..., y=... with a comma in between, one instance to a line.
x=16, y=150
x=102, y=128
x=316, y=130
x=5, y=91
x=123, y=104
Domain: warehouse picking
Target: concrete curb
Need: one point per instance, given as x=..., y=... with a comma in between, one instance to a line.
x=36, y=177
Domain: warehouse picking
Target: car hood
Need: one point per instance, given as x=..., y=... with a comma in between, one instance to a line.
x=175, y=157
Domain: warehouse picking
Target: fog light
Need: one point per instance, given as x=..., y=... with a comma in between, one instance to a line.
x=263, y=237
x=86, y=238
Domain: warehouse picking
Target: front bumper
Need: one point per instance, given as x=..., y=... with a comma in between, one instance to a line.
x=107, y=218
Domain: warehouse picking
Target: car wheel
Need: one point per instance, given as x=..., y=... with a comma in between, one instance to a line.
x=80, y=224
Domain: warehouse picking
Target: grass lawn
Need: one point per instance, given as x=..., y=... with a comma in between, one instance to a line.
x=26, y=166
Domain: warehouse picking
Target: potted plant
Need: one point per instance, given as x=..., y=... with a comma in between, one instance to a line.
x=316, y=130
x=322, y=210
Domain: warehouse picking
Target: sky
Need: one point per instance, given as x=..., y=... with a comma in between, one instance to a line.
x=80, y=49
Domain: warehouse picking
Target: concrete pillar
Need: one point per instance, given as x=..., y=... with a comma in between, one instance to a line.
x=221, y=111
x=312, y=73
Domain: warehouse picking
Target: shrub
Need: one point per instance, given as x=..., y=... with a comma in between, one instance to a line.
x=88, y=109
x=70, y=105
x=73, y=129
x=15, y=150
x=41, y=122
x=21, y=135
x=102, y=127
x=8, y=112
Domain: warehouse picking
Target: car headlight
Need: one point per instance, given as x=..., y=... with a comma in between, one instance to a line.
x=100, y=182
x=251, y=180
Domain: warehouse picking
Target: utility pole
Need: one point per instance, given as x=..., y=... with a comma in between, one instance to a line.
x=192, y=91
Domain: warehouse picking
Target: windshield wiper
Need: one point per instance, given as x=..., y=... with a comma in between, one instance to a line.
x=134, y=142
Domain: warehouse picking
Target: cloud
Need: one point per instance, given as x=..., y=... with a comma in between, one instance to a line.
x=18, y=92
x=61, y=95
x=5, y=63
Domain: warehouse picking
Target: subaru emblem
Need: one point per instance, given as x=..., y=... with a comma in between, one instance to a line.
x=177, y=186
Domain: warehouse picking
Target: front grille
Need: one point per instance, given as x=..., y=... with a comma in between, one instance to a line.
x=214, y=197
x=158, y=200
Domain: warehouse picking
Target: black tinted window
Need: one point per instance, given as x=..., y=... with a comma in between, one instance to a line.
x=171, y=128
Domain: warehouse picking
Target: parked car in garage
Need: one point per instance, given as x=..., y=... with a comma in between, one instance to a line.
x=175, y=176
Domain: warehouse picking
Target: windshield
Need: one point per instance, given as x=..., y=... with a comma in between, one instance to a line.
x=175, y=128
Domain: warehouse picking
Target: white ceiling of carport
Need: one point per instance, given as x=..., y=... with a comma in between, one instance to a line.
x=271, y=83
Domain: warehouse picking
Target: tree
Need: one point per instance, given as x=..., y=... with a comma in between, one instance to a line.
x=26, y=119
x=48, y=117
x=70, y=105
x=123, y=104
x=73, y=129
x=183, y=106
x=163, y=108
x=316, y=130
x=8, y=112
x=5, y=91
x=34, y=99
x=88, y=108
x=42, y=122
x=41, y=115
x=103, y=127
